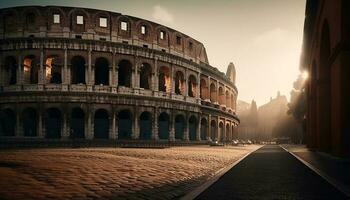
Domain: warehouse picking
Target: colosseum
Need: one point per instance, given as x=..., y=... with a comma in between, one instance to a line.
x=76, y=73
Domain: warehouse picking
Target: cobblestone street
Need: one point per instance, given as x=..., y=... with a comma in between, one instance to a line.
x=111, y=173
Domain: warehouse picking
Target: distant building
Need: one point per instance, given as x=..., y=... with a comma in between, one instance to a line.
x=326, y=57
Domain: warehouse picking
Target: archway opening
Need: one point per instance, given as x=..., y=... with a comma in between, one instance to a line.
x=53, y=123
x=101, y=124
x=29, y=119
x=30, y=70
x=213, y=130
x=227, y=99
x=179, y=83
x=145, y=76
x=192, y=125
x=213, y=93
x=179, y=127
x=78, y=70
x=53, y=70
x=124, y=73
x=203, y=89
x=101, y=71
x=221, y=96
x=163, y=126
x=77, y=124
x=221, y=131
x=124, y=124
x=164, y=79
x=192, y=86
x=10, y=71
x=7, y=122
x=227, y=133
x=145, y=126
x=204, y=129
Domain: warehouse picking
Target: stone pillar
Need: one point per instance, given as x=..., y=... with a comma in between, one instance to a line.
x=112, y=76
x=209, y=129
x=40, y=124
x=172, y=80
x=155, y=135
x=66, y=73
x=186, y=83
x=136, y=128
x=90, y=126
x=136, y=75
x=112, y=133
x=89, y=73
x=42, y=71
x=217, y=92
x=198, y=133
x=198, y=88
x=155, y=74
x=172, y=128
x=20, y=70
x=19, y=127
x=186, y=135
x=65, y=129
x=116, y=72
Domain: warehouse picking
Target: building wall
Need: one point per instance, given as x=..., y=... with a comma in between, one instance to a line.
x=325, y=56
x=64, y=80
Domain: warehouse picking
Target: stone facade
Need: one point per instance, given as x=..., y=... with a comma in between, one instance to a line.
x=91, y=74
x=326, y=56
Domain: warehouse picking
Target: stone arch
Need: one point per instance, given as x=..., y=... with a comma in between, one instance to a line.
x=213, y=95
x=31, y=19
x=324, y=90
x=53, y=69
x=53, y=123
x=227, y=133
x=96, y=17
x=128, y=21
x=124, y=73
x=10, y=17
x=56, y=10
x=221, y=96
x=221, y=131
x=192, y=128
x=192, y=86
x=77, y=70
x=101, y=71
x=73, y=19
x=164, y=79
x=228, y=105
x=30, y=70
x=149, y=29
x=30, y=122
x=77, y=123
x=203, y=89
x=213, y=130
x=179, y=126
x=101, y=124
x=10, y=68
x=124, y=124
x=179, y=83
x=204, y=129
x=7, y=122
x=163, y=125
x=165, y=40
x=145, y=76
x=146, y=125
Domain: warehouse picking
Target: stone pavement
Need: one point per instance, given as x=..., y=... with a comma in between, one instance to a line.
x=111, y=173
x=271, y=173
x=333, y=168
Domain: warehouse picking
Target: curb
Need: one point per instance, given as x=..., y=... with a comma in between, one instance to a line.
x=218, y=174
x=339, y=186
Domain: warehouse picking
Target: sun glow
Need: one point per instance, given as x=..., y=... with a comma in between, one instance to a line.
x=305, y=75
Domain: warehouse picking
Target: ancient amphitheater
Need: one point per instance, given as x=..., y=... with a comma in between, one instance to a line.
x=69, y=73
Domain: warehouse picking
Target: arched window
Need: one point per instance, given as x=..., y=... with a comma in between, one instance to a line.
x=30, y=70
x=30, y=21
x=53, y=123
x=192, y=126
x=213, y=130
x=77, y=124
x=203, y=89
x=101, y=124
x=221, y=96
x=163, y=126
x=7, y=122
x=213, y=93
x=53, y=70
x=204, y=129
x=124, y=124
x=29, y=122
x=10, y=71
x=124, y=73
x=78, y=70
x=192, y=86
x=145, y=76
x=179, y=127
x=164, y=79
x=179, y=83
x=101, y=71
x=145, y=126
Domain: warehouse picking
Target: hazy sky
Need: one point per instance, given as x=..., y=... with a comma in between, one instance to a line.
x=261, y=37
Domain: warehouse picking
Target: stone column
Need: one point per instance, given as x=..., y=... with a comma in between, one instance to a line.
x=136, y=128
x=112, y=134
x=172, y=127
x=217, y=92
x=172, y=80
x=20, y=70
x=19, y=128
x=42, y=71
x=89, y=76
x=186, y=136
x=155, y=74
x=40, y=124
x=198, y=88
x=65, y=129
x=66, y=72
x=90, y=127
x=209, y=129
x=186, y=83
x=155, y=135
x=198, y=134
x=112, y=76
